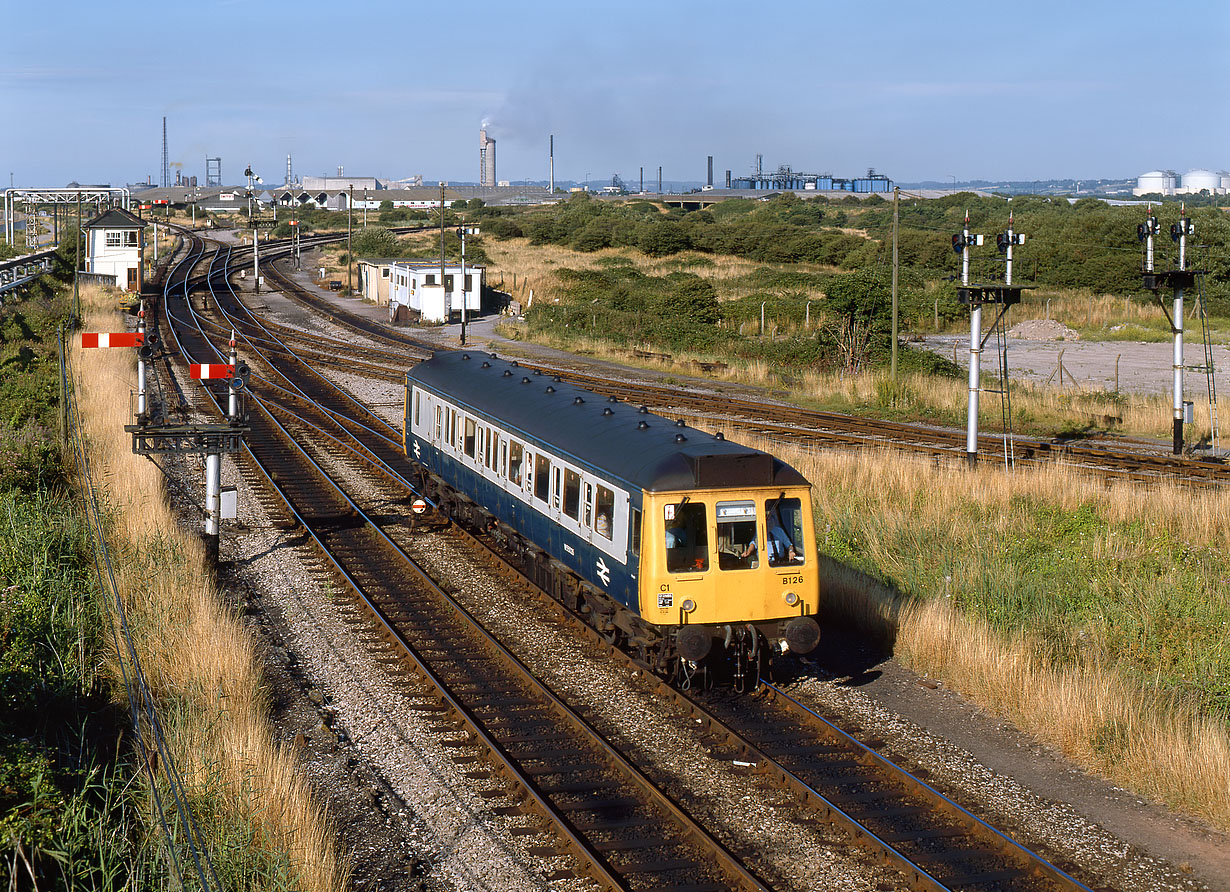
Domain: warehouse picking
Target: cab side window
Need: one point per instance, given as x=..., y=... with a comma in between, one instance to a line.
x=783, y=520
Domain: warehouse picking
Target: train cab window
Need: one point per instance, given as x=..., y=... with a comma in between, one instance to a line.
x=417, y=399
x=604, y=512
x=572, y=494
x=783, y=519
x=542, y=477
x=468, y=443
x=515, y=456
x=687, y=537
x=738, y=543
x=634, y=520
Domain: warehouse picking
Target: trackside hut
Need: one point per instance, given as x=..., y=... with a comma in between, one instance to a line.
x=415, y=285
x=115, y=246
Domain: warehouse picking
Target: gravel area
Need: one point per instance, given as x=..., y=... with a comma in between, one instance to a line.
x=412, y=818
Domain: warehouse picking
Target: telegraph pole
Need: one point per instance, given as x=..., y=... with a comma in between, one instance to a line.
x=442, y=238
x=461, y=232
x=896, y=221
x=349, y=249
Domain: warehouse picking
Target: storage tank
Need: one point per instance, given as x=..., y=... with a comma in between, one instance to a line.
x=486, y=159
x=1225, y=180
x=1160, y=181
x=1201, y=180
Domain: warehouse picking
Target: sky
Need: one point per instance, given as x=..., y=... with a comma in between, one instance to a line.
x=946, y=90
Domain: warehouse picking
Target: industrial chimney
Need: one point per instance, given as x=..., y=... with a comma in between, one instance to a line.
x=486, y=160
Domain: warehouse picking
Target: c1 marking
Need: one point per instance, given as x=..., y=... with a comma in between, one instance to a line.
x=604, y=572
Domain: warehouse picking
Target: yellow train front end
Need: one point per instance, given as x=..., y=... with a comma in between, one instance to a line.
x=731, y=567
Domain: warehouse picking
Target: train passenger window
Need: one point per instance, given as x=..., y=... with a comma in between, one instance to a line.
x=514, y=462
x=417, y=399
x=542, y=477
x=783, y=519
x=502, y=470
x=439, y=422
x=555, y=488
x=589, y=505
x=469, y=437
x=635, y=521
x=687, y=537
x=604, y=512
x=738, y=543
x=572, y=494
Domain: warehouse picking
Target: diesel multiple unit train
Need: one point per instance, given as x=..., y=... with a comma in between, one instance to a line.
x=675, y=543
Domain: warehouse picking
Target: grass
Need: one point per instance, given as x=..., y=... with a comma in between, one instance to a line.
x=1095, y=617
x=266, y=830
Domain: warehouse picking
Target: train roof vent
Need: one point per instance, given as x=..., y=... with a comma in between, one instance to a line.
x=578, y=401
x=642, y=425
x=644, y=410
x=680, y=438
x=719, y=436
x=537, y=371
x=679, y=422
x=525, y=380
x=507, y=373
x=612, y=399
x=486, y=364
x=608, y=411
x=465, y=356
x=557, y=379
x=515, y=364
x=550, y=389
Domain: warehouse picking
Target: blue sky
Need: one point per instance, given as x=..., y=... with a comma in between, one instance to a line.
x=1028, y=90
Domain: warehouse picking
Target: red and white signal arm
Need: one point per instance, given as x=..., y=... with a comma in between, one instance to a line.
x=112, y=339
x=208, y=370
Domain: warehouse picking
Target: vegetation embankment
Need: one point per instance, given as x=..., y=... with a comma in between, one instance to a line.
x=76, y=808
x=1097, y=619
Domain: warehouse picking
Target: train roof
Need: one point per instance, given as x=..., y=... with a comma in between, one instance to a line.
x=622, y=440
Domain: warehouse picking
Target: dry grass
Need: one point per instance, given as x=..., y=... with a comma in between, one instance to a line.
x=1035, y=407
x=199, y=661
x=1119, y=699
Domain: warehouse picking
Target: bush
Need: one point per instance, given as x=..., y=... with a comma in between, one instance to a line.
x=375, y=241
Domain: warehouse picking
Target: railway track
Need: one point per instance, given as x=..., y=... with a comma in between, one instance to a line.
x=605, y=812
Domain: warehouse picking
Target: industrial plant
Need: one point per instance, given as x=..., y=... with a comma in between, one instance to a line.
x=1195, y=181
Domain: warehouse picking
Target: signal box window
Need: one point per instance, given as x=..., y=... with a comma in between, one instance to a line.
x=783, y=519
x=738, y=545
x=542, y=477
x=604, y=508
x=572, y=493
x=687, y=537
x=515, y=457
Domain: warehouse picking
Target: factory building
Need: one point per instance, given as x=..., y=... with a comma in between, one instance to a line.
x=786, y=179
x=486, y=160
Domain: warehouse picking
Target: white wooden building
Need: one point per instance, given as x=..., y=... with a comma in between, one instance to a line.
x=415, y=285
x=115, y=246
